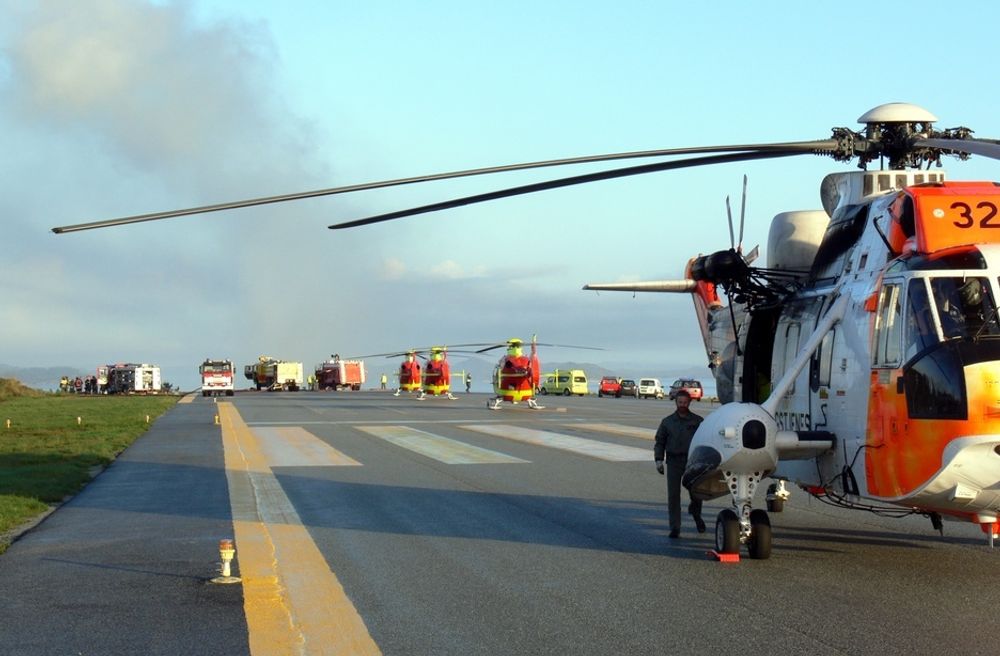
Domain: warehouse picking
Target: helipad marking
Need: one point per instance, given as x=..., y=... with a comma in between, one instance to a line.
x=620, y=429
x=442, y=449
x=293, y=603
x=592, y=448
x=293, y=446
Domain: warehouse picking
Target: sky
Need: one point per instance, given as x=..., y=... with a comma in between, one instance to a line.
x=110, y=108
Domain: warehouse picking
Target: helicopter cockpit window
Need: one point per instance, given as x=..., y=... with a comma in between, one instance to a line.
x=965, y=307
x=921, y=333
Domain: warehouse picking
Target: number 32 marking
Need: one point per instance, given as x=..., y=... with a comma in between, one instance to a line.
x=968, y=220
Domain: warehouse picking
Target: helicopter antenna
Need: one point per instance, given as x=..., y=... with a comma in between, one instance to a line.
x=743, y=211
x=729, y=214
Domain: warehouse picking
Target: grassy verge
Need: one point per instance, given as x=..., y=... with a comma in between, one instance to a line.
x=45, y=455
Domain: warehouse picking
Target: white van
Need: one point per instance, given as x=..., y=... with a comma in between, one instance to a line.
x=650, y=388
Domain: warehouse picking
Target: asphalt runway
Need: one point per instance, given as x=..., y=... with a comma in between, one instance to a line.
x=366, y=523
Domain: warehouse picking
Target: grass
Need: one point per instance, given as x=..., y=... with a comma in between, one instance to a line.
x=46, y=456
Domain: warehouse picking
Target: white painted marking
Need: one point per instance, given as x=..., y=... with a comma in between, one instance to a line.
x=442, y=449
x=592, y=448
x=292, y=446
x=619, y=429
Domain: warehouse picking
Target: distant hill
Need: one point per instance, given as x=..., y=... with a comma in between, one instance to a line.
x=43, y=378
x=10, y=388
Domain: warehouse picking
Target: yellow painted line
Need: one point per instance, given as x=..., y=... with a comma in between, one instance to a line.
x=293, y=603
x=592, y=448
x=442, y=449
x=619, y=429
x=294, y=446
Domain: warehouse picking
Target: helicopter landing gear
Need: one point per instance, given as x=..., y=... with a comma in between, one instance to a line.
x=494, y=404
x=397, y=392
x=422, y=396
x=742, y=524
x=991, y=529
x=452, y=396
x=533, y=404
x=776, y=496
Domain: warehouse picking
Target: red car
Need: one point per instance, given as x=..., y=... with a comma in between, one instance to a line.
x=610, y=386
x=693, y=387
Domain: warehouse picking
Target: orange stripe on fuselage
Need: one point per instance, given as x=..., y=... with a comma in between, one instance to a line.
x=904, y=454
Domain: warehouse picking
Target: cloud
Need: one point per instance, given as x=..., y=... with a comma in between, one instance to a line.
x=392, y=269
x=150, y=86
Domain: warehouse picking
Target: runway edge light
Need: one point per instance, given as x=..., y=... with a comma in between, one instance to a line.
x=226, y=552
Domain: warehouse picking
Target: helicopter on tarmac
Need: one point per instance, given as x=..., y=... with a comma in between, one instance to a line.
x=863, y=362
x=516, y=376
x=433, y=379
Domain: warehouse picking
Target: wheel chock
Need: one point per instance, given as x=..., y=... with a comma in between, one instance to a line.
x=725, y=557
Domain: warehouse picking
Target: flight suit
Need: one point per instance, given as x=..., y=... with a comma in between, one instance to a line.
x=673, y=440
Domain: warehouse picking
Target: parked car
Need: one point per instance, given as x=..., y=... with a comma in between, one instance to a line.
x=691, y=386
x=610, y=386
x=629, y=388
x=565, y=382
x=650, y=388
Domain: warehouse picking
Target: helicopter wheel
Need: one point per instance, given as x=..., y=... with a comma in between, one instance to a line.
x=777, y=504
x=759, y=544
x=727, y=532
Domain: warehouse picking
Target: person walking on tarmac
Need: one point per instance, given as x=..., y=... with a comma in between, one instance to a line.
x=673, y=440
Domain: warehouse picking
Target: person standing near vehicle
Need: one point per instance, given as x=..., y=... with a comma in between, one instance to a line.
x=468, y=382
x=384, y=380
x=673, y=440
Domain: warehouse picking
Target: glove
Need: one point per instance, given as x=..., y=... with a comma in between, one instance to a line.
x=659, y=467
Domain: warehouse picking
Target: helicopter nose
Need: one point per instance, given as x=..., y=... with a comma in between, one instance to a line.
x=702, y=461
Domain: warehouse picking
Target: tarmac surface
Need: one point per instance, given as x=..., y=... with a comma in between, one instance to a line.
x=365, y=523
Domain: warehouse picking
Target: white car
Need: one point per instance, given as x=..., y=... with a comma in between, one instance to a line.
x=650, y=388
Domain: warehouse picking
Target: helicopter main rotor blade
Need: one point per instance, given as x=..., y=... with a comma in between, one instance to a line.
x=585, y=178
x=986, y=148
x=666, y=286
x=265, y=200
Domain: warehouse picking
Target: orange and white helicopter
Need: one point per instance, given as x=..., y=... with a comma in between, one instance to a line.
x=863, y=363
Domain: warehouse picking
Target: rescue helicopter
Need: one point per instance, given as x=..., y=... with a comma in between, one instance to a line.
x=516, y=376
x=862, y=363
x=433, y=379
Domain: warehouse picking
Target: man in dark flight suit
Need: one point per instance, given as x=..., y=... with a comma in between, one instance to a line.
x=673, y=440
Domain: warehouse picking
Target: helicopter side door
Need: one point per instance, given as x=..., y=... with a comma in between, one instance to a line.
x=887, y=417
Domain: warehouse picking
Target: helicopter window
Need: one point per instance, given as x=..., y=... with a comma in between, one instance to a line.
x=825, y=359
x=887, y=327
x=964, y=258
x=935, y=385
x=965, y=307
x=920, y=331
x=791, y=350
